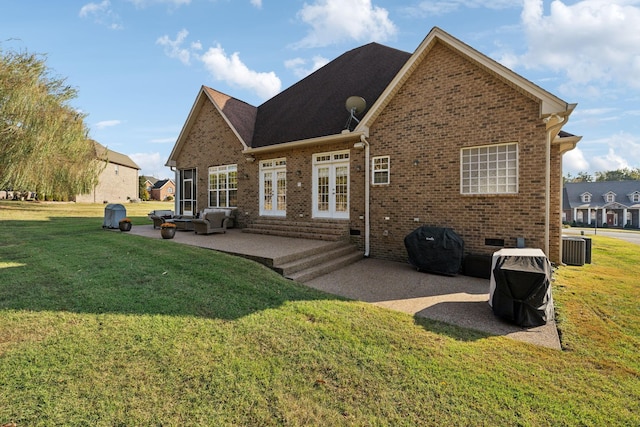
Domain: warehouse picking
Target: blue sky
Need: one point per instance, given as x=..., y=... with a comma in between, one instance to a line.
x=139, y=64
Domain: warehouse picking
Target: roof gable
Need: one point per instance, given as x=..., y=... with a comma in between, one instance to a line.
x=549, y=104
x=114, y=157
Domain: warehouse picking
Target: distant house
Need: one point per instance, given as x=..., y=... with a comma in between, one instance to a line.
x=149, y=182
x=118, y=181
x=448, y=137
x=162, y=189
x=604, y=203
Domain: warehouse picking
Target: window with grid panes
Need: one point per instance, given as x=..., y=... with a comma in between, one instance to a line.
x=380, y=170
x=489, y=169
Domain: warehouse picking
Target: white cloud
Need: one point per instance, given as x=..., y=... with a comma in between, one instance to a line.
x=622, y=151
x=595, y=43
x=102, y=14
x=152, y=164
x=334, y=21
x=230, y=69
x=299, y=65
x=573, y=162
x=257, y=3
x=174, y=49
x=223, y=67
x=107, y=124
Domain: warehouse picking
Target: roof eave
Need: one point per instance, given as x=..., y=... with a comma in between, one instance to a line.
x=321, y=140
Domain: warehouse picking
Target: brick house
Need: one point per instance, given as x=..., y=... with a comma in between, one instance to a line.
x=162, y=189
x=118, y=181
x=448, y=138
x=602, y=204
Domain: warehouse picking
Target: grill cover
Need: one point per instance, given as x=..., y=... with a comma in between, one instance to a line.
x=520, y=287
x=113, y=213
x=435, y=250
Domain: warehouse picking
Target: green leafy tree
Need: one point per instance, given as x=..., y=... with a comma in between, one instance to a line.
x=44, y=145
x=624, y=174
x=581, y=177
x=142, y=189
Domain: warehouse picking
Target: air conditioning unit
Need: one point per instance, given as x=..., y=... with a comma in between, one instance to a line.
x=573, y=251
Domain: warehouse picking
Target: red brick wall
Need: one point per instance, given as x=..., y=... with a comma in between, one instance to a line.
x=449, y=103
x=446, y=104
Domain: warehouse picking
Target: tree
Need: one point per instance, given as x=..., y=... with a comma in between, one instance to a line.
x=624, y=174
x=142, y=189
x=44, y=145
x=581, y=177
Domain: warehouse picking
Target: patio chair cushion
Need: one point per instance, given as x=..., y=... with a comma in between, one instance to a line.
x=212, y=222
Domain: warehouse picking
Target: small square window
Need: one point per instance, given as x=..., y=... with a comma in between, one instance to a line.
x=380, y=170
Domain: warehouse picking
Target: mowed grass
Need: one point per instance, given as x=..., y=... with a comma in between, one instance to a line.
x=103, y=328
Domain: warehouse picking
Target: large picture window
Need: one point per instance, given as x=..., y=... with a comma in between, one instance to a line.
x=489, y=169
x=223, y=186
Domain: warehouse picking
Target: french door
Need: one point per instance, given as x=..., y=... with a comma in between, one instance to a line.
x=331, y=185
x=273, y=187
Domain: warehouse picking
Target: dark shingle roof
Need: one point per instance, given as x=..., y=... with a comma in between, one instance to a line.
x=241, y=115
x=160, y=183
x=574, y=190
x=315, y=106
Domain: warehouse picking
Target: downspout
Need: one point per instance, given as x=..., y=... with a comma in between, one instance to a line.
x=367, y=223
x=547, y=197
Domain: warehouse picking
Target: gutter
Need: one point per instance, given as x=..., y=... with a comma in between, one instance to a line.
x=367, y=184
x=547, y=178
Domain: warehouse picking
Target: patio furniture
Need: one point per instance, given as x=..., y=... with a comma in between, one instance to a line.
x=184, y=223
x=212, y=222
x=159, y=217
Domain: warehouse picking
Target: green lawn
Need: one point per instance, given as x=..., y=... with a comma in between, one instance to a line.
x=103, y=328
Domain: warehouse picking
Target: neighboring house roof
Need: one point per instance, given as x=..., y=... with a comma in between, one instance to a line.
x=161, y=183
x=313, y=109
x=150, y=179
x=573, y=191
x=114, y=157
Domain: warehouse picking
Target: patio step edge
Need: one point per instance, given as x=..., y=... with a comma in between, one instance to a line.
x=325, y=268
x=320, y=256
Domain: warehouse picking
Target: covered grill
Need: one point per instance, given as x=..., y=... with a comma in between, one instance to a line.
x=435, y=250
x=113, y=213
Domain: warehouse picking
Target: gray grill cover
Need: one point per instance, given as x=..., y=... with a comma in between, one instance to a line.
x=113, y=213
x=435, y=250
x=522, y=291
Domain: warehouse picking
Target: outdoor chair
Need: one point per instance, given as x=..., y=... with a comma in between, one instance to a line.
x=212, y=222
x=160, y=217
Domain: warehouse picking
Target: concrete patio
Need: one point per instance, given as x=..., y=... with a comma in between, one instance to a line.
x=460, y=300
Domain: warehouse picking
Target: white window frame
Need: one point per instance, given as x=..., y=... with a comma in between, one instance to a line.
x=586, y=198
x=228, y=186
x=489, y=169
x=379, y=169
x=610, y=197
x=635, y=197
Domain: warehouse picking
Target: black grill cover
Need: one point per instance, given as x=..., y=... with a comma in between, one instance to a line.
x=522, y=294
x=435, y=250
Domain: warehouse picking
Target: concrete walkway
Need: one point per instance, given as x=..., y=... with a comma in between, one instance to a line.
x=459, y=300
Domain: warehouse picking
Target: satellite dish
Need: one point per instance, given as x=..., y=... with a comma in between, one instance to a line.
x=355, y=104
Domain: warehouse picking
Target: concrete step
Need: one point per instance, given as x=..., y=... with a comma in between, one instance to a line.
x=309, y=260
x=317, y=229
x=326, y=267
